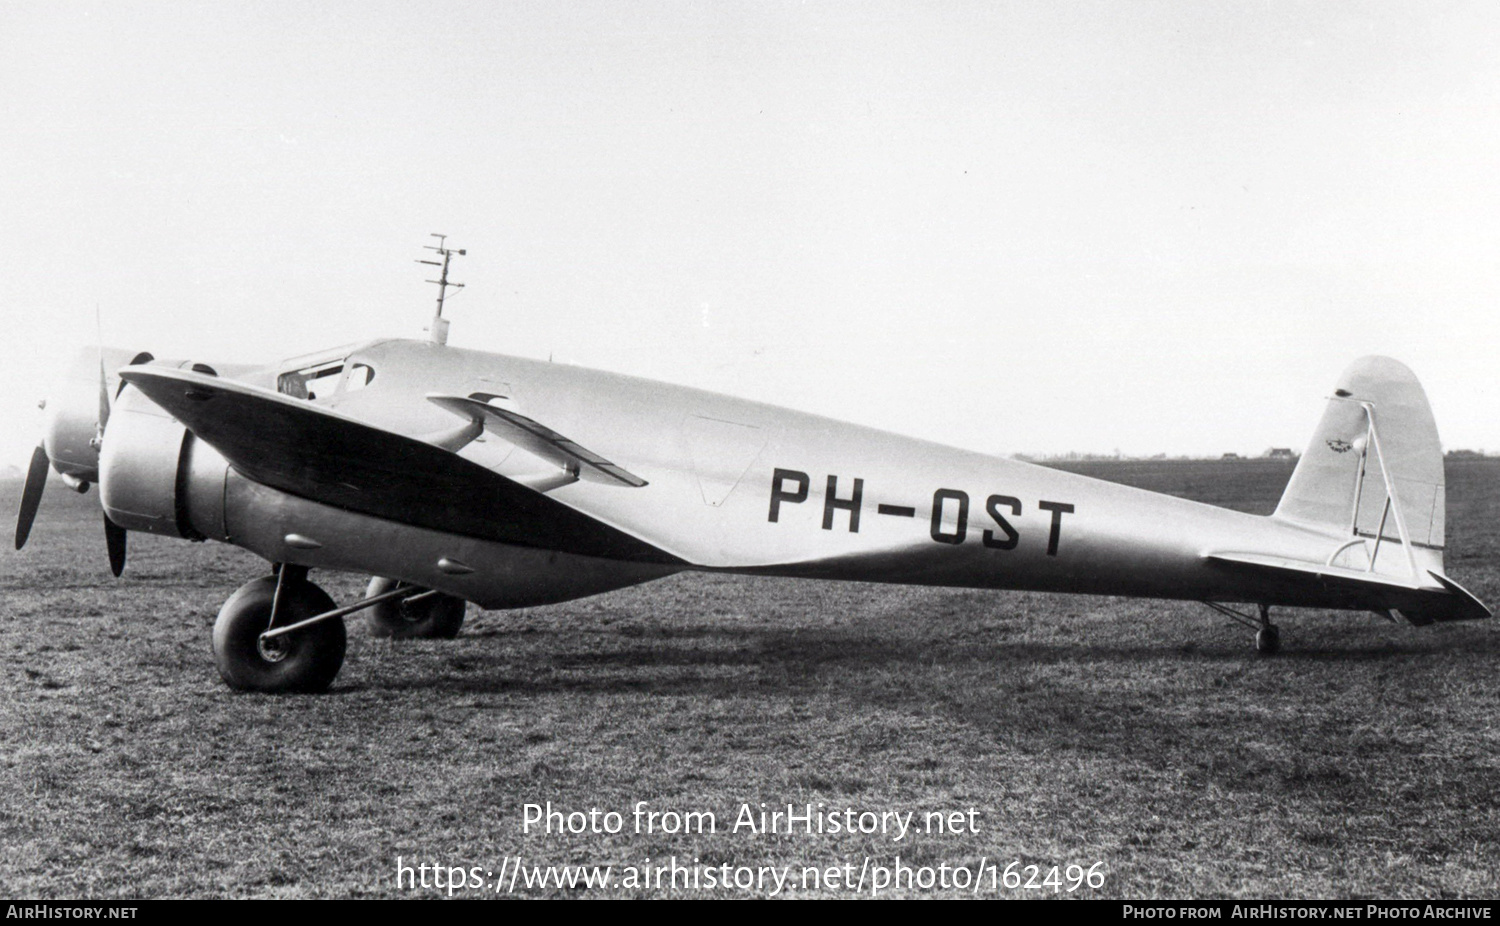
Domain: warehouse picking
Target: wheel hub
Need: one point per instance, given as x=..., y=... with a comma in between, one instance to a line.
x=412, y=614
x=272, y=650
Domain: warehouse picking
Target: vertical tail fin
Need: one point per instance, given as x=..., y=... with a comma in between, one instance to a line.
x=1371, y=481
x=1374, y=467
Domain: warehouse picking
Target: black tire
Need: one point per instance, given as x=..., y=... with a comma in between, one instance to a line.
x=1268, y=641
x=437, y=617
x=305, y=661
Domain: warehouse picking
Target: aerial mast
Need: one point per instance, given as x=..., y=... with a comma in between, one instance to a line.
x=437, y=332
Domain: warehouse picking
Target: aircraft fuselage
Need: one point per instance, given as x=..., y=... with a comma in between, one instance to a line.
x=739, y=486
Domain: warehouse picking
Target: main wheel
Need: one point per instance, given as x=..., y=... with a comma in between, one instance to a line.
x=303, y=661
x=436, y=617
x=1268, y=640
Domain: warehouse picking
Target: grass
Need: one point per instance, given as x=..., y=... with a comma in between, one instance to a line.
x=1144, y=735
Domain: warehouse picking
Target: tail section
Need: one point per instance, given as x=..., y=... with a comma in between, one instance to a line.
x=1374, y=458
x=1374, y=473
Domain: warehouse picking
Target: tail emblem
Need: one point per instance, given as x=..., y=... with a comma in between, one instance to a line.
x=1339, y=445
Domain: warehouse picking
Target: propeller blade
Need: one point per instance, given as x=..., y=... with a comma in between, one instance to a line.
x=103, y=376
x=31, y=496
x=103, y=401
x=114, y=539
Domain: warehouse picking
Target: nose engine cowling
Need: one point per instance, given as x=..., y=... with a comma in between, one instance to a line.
x=155, y=476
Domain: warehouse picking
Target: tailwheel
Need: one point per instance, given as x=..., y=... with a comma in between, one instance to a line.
x=304, y=660
x=425, y=615
x=1268, y=640
x=1268, y=637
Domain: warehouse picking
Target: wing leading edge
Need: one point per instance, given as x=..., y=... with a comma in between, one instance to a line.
x=322, y=455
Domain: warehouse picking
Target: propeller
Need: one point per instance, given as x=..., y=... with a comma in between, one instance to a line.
x=114, y=541
x=103, y=384
x=73, y=434
x=114, y=534
x=31, y=496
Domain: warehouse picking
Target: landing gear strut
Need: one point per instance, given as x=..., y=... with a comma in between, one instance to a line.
x=1267, y=634
x=281, y=633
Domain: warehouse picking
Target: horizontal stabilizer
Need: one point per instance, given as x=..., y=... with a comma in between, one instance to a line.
x=1418, y=603
x=537, y=438
x=1317, y=570
x=1472, y=608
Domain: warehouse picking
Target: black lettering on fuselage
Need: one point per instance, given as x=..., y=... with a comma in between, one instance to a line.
x=1058, y=509
x=832, y=503
x=779, y=495
x=792, y=486
x=992, y=505
x=961, y=524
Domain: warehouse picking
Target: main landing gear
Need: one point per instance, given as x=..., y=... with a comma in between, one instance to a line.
x=425, y=616
x=1267, y=634
x=306, y=660
x=281, y=633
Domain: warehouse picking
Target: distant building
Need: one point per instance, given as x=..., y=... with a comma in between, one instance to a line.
x=1280, y=453
x=1231, y=456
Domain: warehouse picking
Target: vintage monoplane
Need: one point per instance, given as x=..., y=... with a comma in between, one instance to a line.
x=458, y=476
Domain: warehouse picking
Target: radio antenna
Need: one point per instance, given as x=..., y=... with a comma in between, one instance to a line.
x=437, y=332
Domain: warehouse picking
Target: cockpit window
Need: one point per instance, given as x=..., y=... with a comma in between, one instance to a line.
x=307, y=382
x=360, y=375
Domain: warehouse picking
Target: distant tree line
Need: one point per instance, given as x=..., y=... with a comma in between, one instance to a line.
x=1273, y=453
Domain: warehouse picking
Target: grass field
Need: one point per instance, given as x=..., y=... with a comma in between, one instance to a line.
x=1362, y=762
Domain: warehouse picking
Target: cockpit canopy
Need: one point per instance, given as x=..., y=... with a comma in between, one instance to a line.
x=325, y=377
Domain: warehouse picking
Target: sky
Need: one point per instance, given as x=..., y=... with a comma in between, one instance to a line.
x=1031, y=227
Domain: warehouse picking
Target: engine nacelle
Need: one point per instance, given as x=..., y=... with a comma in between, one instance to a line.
x=73, y=406
x=155, y=476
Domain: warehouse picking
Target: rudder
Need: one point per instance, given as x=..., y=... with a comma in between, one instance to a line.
x=1375, y=463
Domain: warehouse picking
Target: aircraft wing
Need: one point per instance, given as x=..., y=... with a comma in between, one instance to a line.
x=1418, y=604
x=320, y=454
x=539, y=439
